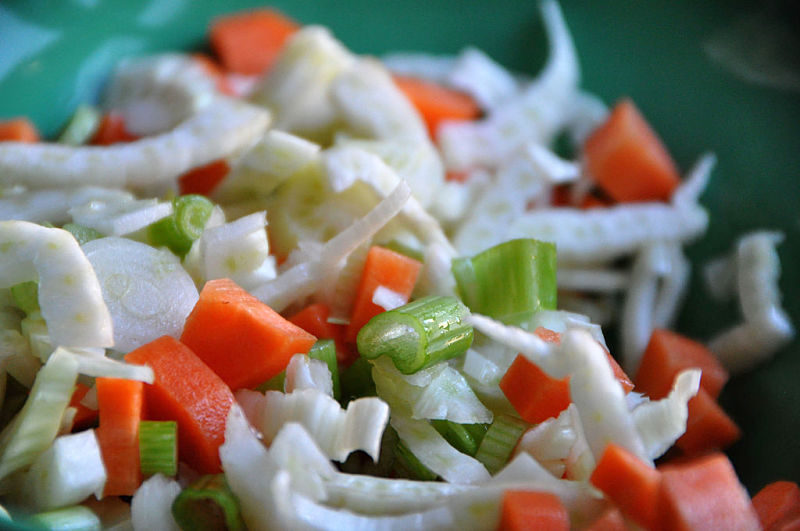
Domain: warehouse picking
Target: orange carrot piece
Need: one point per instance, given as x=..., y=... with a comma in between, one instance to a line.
x=776, y=503
x=187, y=391
x=630, y=483
x=314, y=320
x=704, y=494
x=436, y=103
x=386, y=268
x=524, y=510
x=203, y=179
x=120, y=411
x=84, y=417
x=619, y=374
x=456, y=176
x=242, y=339
x=628, y=160
x=250, y=41
x=708, y=426
x=609, y=520
x=535, y=395
x=667, y=354
x=18, y=130
x=215, y=71
x=112, y=131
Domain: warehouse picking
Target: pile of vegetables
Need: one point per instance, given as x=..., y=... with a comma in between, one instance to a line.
x=290, y=287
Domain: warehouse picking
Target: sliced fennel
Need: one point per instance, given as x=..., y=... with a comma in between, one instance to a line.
x=151, y=506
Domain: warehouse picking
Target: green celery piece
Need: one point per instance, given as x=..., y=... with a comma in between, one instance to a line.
x=75, y=518
x=81, y=127
x=207, y=505
x=26, y=296
x=158, y=447
x=273, y=384
x=418, y=334
x=184, y=226
x=399, y=247
x=325, y=350
x=510, y=281
x=407, y=465
x=356, y=381
x=82, y=233
x=466, y=438
x=498, y=443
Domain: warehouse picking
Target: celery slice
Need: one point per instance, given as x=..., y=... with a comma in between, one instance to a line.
x=510, y=281
x=208, y=504
x=418, y=334
x=325, y=350
x=158, y=447
x=184, y=226
x=466, y=438
x=499, y=441
x=81, y=127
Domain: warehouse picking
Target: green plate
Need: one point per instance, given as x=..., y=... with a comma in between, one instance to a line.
x=684, y=63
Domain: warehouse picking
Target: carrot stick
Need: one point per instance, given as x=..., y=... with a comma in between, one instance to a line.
x=112, y=131
x=667, y=354
x=777, y=503
x=84, y=417
x=187, y=391
x=436, y=103
x=314, y=320
x=383, y=267
x=18, y=130
x=532, y=510
x=708, y=426
x=120, y=411
x=628, y=160
x=249, y=42
x=704, y=494
x=203, y=179
x=535, y=395
x=239, y=337
x=630, y=483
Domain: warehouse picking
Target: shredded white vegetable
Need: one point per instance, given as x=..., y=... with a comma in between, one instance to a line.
x=303, y=372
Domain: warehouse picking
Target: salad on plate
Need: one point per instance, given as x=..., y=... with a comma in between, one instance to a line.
x=292, y=287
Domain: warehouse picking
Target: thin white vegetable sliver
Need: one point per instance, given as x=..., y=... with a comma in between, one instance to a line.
x=103, y=367
x=151, y=506
x=598, y=396
x=435, y=452
x=661, y=422
x=53, y=205
x=303, y=372
x=388, y=299
x=215, y=132
x=120, y=217
x=338, y=432
x=69, y=292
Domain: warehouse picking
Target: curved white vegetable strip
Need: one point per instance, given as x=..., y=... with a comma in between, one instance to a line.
x=156, y=93
x=52, y=205
x=147, y=291
x=598, y=396
x=602, y=234
x=444, y=394
x=297, y=89
x=435, y=452
x=695, y=181
x=36, y=425
x=673, y=287
x=238, y=250
x=428, y=66
x=69, y=292
x=118, y=216
x=372, y=106
x=304, y=279
x=215, y=132
x=637, y=319
x=484, y=79
x=535, y=114
x=766, y=326
x=98, y=365
x=303, y=372
x=661, y=422
x=151, y=506
x=68, y=472
x=337, y=431
x=561, y=320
